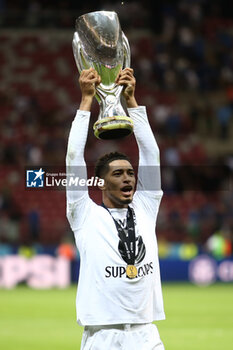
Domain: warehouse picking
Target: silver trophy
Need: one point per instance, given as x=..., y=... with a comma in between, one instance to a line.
x=100, y=43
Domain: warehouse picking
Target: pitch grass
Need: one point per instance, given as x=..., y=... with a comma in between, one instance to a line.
x=197, y=318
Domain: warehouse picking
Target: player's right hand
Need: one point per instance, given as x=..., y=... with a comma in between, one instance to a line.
x=88, y=80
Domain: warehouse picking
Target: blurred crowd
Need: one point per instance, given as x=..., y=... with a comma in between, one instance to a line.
x=182, y=55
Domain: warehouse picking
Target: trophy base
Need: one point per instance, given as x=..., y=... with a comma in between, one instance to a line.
x=115, y=127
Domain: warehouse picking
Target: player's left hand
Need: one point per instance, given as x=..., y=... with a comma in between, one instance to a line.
x=127, y=79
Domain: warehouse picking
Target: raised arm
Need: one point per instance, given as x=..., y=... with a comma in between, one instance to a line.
x=75, y=163
x=149, y=178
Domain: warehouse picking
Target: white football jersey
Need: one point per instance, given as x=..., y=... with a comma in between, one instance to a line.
x=105, y=294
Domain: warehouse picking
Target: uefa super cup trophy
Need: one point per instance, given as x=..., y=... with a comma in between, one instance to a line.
x=100, y=43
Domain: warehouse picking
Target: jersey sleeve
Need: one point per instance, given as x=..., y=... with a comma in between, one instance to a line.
x=77, y=197
x=149, y=179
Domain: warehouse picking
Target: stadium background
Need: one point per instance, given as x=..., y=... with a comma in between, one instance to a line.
x=182, y=55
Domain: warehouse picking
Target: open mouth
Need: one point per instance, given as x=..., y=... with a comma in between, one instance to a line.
x=127, y=190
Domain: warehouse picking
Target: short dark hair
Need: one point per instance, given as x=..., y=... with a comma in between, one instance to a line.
x=102, y=164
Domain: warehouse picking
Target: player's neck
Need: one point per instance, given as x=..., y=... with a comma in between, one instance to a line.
x=113, y=205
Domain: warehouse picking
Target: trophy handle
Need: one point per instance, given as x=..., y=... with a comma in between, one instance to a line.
x=126, y=62
x=78, y=52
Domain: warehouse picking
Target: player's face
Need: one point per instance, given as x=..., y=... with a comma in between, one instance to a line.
x=119, y=184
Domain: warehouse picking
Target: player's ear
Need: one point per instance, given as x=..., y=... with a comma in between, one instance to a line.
x=101, y=184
